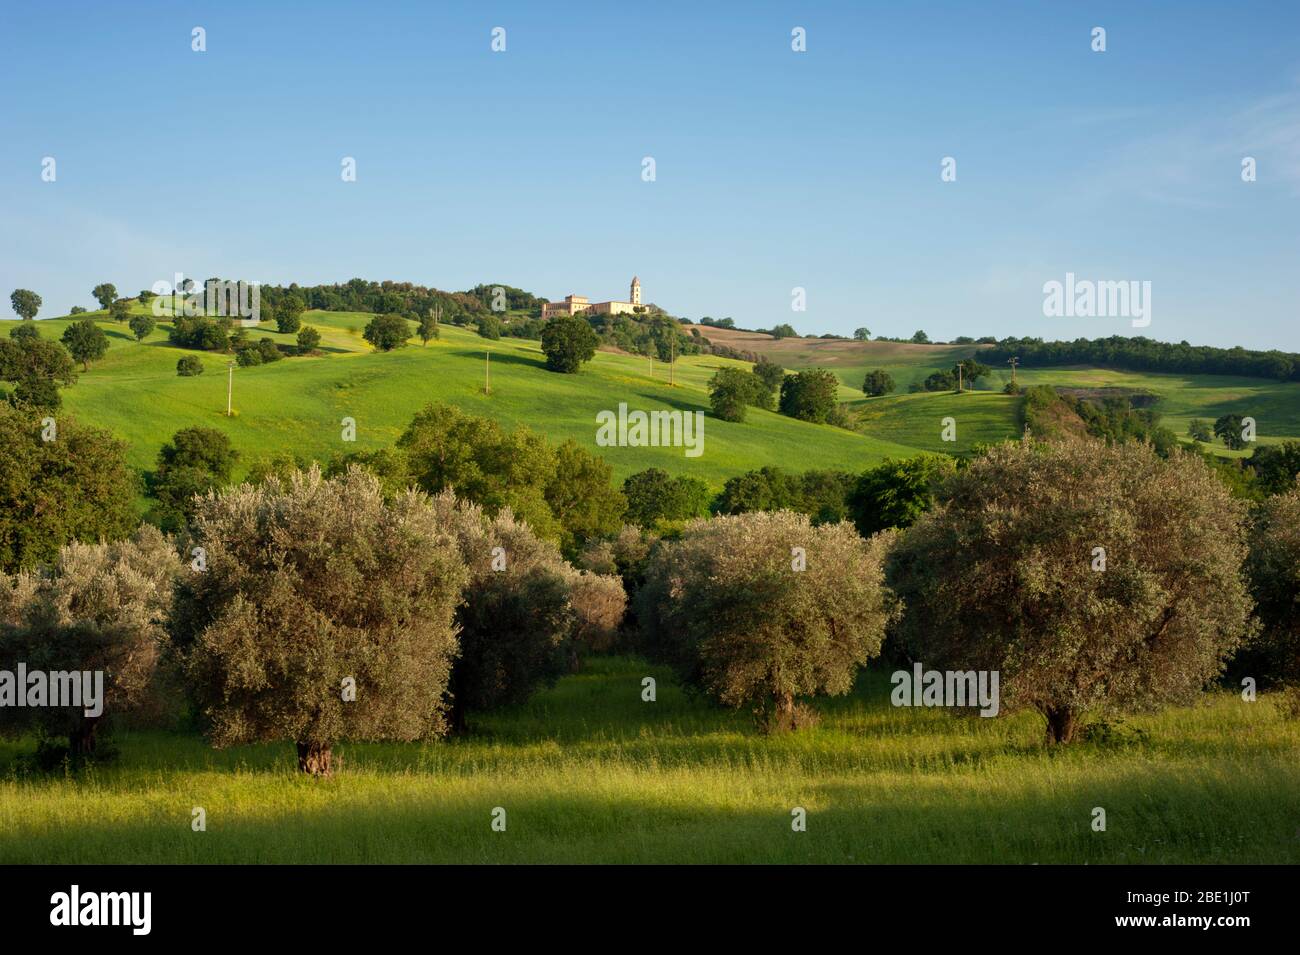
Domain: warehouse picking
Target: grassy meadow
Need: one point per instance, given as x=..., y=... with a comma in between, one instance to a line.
x=587, y=772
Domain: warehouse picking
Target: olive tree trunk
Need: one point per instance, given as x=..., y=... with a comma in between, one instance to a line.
x=1061, y=724
x=315, y=759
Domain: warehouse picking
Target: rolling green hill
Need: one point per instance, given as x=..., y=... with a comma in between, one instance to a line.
x=298, y=404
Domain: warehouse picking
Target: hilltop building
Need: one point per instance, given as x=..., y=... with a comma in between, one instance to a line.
x=573, y=304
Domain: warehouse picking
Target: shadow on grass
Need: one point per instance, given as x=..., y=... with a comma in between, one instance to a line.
x=1160, y=819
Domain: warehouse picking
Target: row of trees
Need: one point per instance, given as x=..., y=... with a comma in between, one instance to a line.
x=1146, y=354
x=809, y=395
x=310, y=610
x=1093, y=577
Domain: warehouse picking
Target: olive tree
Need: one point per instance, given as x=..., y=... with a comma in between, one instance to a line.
x=99, y=609
x=322, y=613
x=1090, y=576
x=524, y=612
x=759, y=609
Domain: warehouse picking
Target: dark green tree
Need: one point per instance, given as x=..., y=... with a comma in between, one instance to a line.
x=810, y=395
x=75, y=487
x=568, y=342
x=25, y=302
x=877, y=383
x=85, y=341
x=386, y=332
x=141, y=324
x=1229, y=427
x=195, y=461
x=105, y=293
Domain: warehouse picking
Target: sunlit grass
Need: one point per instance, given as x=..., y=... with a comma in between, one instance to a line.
x=587, y=772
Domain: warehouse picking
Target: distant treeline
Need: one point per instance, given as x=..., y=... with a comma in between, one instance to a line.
x=1145, y=354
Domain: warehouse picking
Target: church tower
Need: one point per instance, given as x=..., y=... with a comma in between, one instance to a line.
x=636, y=290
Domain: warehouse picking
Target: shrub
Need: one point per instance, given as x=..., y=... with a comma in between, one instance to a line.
x=309, y=584
x=727, y=608
x=189, y=366
x=1004, y=575
x=308, y=340
x=100, y=608
x=568, y=342
x=269, y=351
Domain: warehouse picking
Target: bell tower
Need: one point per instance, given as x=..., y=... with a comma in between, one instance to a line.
x=636, y=290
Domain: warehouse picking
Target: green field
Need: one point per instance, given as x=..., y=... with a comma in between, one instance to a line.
x=587, y=772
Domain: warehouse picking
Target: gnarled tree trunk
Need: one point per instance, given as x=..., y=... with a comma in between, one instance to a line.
x=315, y=759
x=782, y=720
x=1061, y=724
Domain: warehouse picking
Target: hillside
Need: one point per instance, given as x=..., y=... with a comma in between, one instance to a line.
x=298, y=404
x=908, y=419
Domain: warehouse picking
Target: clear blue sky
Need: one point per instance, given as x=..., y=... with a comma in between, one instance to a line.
x=775, y=169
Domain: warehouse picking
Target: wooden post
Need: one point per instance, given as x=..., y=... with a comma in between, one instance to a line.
x=487, y=373
x=959, y=371
x=1013, y=361
x=230, y=386
x=672, y=363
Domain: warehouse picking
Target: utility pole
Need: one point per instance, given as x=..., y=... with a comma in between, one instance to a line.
x=959, y=371
x=651, y=357
x=672, y=364
x=1013, y=361
x=487, y=373
x=230, y=386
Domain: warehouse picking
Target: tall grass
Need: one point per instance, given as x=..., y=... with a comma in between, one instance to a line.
x=587, y=772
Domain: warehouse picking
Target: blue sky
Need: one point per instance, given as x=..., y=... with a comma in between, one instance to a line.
x=774, y=169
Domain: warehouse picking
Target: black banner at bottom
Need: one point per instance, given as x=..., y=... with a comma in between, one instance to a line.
x=137, y=904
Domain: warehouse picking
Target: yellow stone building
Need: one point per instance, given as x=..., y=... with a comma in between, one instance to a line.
x=573, y=304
